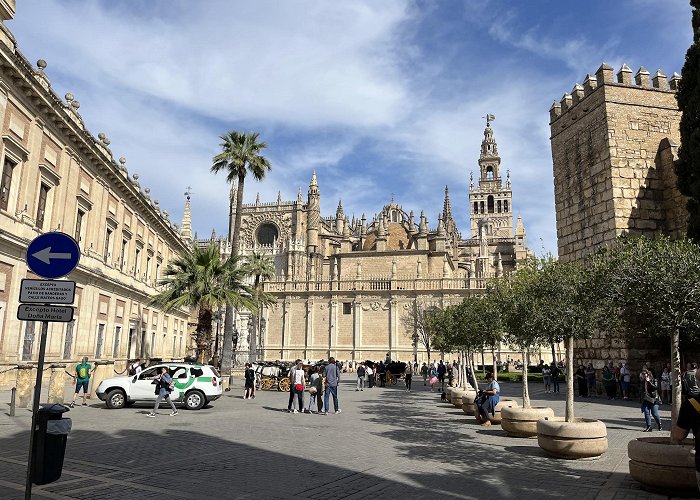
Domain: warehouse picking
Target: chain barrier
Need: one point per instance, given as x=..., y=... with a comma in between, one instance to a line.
x=9, y=370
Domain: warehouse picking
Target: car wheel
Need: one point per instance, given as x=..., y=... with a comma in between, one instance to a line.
x=194, y=400
x=116, y=399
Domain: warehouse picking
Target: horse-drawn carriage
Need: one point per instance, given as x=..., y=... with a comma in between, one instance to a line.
x=394, y=371
x=272, y=375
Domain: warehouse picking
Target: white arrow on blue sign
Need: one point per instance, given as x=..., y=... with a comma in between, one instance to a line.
x=53, y=255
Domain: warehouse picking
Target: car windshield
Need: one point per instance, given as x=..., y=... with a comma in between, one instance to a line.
x=216, y=373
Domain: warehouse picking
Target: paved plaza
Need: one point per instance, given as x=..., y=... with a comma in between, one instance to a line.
x=385, y=443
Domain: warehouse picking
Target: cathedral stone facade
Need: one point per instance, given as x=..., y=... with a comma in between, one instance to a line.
x=347, y=287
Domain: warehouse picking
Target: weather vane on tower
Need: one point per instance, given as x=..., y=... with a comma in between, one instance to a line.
x=188, y=192
x=489, y=119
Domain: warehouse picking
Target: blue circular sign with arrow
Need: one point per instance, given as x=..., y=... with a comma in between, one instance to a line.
x=53, y=255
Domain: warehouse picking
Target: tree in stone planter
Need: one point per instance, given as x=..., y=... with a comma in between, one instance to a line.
x=654, y=284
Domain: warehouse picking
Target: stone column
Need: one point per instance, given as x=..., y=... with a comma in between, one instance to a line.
x=57, y=383
x=393, y=328
x=26, y=378
x=357, y=328
x=286, y=327
x=308, y=336
x=333, y=316
x=103, y=370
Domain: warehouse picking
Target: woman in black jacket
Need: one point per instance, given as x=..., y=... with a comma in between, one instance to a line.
x=581, y=379
x=650, y=401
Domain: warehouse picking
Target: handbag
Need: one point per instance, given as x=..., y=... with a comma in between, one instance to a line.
x=299, y=387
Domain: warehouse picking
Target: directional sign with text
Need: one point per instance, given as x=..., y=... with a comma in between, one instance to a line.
x=47, y=291
x=53, y=255
x=34, y=312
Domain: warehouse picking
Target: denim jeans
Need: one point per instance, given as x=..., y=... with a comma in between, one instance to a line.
x=331, y=390
x=160, y=398
x=360, y=383
x=555, y=384
x=649, y=410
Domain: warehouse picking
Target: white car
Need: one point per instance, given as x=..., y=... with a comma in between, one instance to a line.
x=195, y=386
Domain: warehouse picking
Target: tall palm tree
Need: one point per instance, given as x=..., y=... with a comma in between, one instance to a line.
x=262, y=268
x=240, y=154
x=201, y=279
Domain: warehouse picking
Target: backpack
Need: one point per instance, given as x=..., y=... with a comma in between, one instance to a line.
x=82, y=371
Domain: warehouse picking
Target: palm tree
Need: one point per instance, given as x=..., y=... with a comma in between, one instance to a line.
x=240, y=154
x=200, y=279
x=261, y=268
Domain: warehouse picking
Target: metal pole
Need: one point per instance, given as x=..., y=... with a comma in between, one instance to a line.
x=13, y=399
x=35, y=407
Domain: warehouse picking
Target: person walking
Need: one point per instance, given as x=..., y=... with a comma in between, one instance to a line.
x=625, y=380
x=433, y=378
x=650, y=400
x=163, y=389
x=83, y=371
x=297, y=383
x=555, y=376
x=382, y=374
x=581, y=380
x=666, y=386
x=249, y=382
x=408, y=375
x=370, y=376
x=689, y=419
x=332, y=375
x=547, y=378
x=361, y=371
x=590, y=380
x=424, y=373
x=315, y=394
x=441, y=370
x=609, y=382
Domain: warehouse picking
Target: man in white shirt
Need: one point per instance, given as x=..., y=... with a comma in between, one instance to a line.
x=370, y=376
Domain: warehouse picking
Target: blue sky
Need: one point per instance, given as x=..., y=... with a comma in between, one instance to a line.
x=379, y=98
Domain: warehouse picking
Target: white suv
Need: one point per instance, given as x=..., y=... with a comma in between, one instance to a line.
x=195, y=386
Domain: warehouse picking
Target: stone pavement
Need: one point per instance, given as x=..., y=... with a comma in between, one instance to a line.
x=385, y=443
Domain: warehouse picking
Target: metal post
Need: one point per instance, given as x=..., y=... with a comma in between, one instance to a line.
x=13, y=401
x=35, y=407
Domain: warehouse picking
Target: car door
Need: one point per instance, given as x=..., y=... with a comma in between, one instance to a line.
x=142, y=386
x=181, y=377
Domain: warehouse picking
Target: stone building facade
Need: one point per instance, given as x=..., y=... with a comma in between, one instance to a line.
x=614, y=140
x=346, y=287
x=56, y=176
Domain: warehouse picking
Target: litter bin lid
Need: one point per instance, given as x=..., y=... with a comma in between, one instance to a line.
x=53, y=409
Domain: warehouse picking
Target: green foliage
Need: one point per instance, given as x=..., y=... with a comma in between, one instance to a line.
x=654, y=284
x=240, y=155
x=471, y=325
x=688, y=165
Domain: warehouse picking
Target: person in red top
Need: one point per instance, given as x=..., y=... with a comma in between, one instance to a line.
x=689, y=419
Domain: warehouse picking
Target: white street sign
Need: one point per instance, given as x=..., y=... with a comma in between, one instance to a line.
x=47, y=292
x=32, y=312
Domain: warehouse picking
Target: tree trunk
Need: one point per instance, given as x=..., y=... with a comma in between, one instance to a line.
x=676, y=370
x=483, y=363
x=463, y=370
x=526, y=392
x=570, y=379
x=493, y=359
x=473, y=381
x=554, y=354
x=227, y=351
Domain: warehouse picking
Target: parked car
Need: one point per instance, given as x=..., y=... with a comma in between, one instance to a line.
x=194, y=386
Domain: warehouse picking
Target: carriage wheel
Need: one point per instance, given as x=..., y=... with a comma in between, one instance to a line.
x=283, y=385
x=393, y=380
x=266, y=384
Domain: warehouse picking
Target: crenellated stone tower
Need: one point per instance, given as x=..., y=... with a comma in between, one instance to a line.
x=490, y=201
x=614, y=141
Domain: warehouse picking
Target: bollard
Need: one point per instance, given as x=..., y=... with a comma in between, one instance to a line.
x=25, y=385
x=103, y=370
x=13, y=401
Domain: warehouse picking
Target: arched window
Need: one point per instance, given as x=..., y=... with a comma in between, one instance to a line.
x=489, y=202
x=394, y=217
x=481, y=207
x=505, y=205
x=499, y=206
x=476, y=207
x=489, y=173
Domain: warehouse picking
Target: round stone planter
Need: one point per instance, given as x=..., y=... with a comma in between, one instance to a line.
x=663, y=467
x=583, y=438
x=456, y=397
x=522, y=422
x=497, y=416
x=448, y=394
x=468, y=402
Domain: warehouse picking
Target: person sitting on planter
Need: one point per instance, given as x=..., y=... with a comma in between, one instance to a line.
x=488, y=400
x=689, y=418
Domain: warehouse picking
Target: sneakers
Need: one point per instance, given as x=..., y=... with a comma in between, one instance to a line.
x=151, y=415
x=253, y=396
x=295, y=411
x=647, y=429
x=173, y=413
x=487, y=423
x=324, y=413
x=72, y=404
x=338, y=411
x=660, y=428
x=84, y=403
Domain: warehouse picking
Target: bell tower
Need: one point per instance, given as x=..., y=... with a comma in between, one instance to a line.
x=490, y=201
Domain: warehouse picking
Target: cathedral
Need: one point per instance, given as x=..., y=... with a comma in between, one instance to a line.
x=348, y=288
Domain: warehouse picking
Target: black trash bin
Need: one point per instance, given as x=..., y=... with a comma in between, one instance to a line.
x=49, y=447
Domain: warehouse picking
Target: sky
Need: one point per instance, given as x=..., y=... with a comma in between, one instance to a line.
x=381, y=98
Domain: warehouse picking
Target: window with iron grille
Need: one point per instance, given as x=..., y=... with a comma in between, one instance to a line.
x=68, y=340
x=28, y=344
x=117, y=341
x=100, y=340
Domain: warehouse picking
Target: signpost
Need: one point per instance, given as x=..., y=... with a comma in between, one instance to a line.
x=50, y=255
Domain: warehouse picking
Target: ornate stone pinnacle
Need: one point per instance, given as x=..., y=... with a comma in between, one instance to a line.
x=41, y=64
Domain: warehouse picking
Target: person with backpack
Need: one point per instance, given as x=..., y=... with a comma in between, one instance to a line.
x=360, y=377
x=83, y=370
x=135, y=367
x=249, y=382
x=164, y=386
x=689, y=419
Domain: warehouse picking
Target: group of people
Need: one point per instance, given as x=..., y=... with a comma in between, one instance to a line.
x=323, y=384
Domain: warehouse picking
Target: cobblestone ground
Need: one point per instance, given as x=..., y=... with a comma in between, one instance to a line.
x=385, y=443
